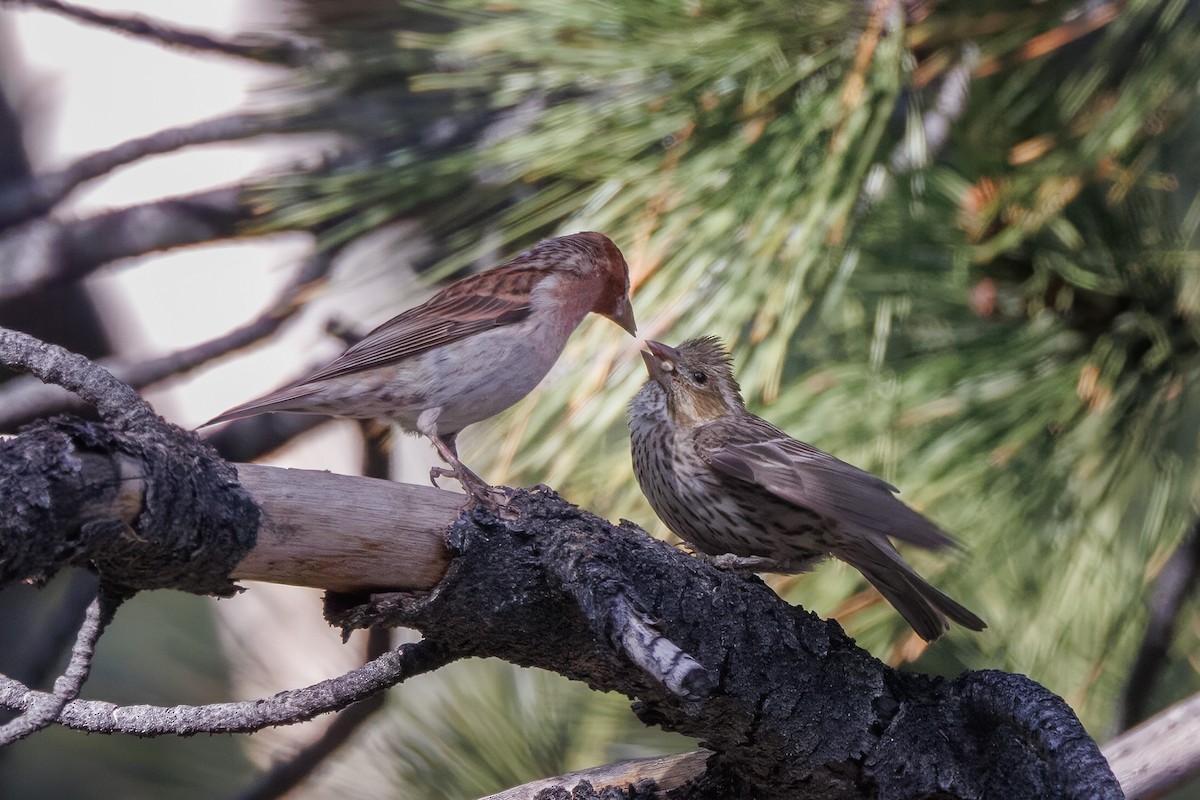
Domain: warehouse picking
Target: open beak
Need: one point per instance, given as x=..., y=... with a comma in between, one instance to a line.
x=623, y=316
x=660, y=360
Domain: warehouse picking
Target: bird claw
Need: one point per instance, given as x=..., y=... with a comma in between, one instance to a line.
x=493, y=498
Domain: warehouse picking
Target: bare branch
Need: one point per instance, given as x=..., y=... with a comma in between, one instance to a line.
x=284, y=708
x=1160, y=754
x=1175, y=583
x=115, y=401
x=43, y=710
x=661, y=658
x=22, y=401
x=257, y=47
x=23, y=201
x=38, y=659
x=794, y=704
x=949, y=105
x=255, y=437
x=345, y=533
x=667, y=773
x=798, y=708
x=121, y=504
x=47, y=251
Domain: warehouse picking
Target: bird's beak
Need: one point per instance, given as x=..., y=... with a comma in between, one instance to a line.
x=660, y=360
x=623, y=315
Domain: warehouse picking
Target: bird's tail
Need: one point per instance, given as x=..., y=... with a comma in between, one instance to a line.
x=281, y=400
x=924, y=607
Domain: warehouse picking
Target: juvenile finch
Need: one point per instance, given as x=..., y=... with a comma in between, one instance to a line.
x=470, y=351
x=729, y=482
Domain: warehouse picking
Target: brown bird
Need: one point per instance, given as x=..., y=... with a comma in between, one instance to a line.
x=729, y=482
x=470, y=351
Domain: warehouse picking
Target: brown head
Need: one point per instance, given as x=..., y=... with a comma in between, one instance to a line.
x=696, y=380
x=597, y=277
x=600, y=276
x=613, y=299
x=594, y=259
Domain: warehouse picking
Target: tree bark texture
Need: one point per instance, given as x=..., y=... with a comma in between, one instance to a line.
x=792, y=707
x=788, y=704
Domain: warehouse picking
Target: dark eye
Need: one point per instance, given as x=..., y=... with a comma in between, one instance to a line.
x=700, y=378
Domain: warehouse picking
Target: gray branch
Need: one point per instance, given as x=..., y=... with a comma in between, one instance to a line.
x=23, y=401
x=115, y=401
x=284, y=708
x=792, y=707
x=797, y=710
x=46, y=251
x=257, y=47
x=24, y=201
x=44, y=709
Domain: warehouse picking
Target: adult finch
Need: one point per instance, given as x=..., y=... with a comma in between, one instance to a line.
x=470, y=351
x=729, y=482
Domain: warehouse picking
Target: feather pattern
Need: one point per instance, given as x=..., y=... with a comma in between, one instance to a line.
x=448, y=317
x=751, y=450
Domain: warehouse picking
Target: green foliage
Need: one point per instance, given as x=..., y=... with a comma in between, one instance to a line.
x=1009, y=332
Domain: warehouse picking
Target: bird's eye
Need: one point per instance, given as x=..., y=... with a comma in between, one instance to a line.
x=700, y=378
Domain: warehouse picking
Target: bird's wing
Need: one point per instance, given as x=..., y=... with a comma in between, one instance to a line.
x=470, y=306
x=750, y=450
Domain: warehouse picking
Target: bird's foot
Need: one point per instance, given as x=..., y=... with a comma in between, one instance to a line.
x=490, y=497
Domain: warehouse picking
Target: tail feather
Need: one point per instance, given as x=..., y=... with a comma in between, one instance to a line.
x=282, y=400
x=927, y=609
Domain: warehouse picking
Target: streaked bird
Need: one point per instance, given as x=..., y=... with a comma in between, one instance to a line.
x=728, y=482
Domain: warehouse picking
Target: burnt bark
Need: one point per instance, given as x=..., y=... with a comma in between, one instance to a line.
x=148, y=508
x=785, y=700
x=793, y=707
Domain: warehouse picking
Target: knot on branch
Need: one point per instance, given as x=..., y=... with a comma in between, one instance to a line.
x=151, y=508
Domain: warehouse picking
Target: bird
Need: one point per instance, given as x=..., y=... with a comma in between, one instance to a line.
x=469, y=352
x=734, y=486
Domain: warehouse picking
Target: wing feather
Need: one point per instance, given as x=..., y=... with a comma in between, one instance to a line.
x=472, y=307
x=755, y=452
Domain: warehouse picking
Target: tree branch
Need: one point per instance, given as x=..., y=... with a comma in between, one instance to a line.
x=286, y=775
x=1160, y=754
x=666, y=773
x=308, y=528
x=257, y=47
x=47, y=251
x=252, y=438
x=795, y=706
x=38, y=660
x=115, y=401
x=785, y=700
x=284, y=708
x=44, y=709
x=1174, y=585
x=22, y=402
x=24, y=201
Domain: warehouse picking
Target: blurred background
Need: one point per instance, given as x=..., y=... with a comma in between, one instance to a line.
x=953, y=243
